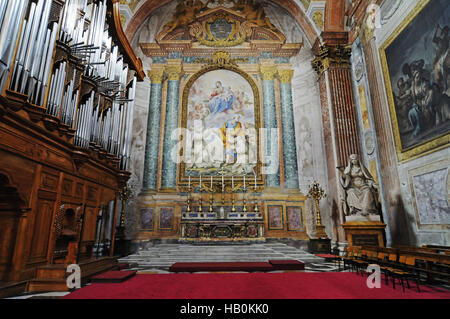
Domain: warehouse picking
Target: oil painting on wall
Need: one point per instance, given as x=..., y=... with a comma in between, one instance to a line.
x=294, y=215
x=221, y=112
x=147, y=219
x=417, y=69
x=166, y=218
x=275, y=217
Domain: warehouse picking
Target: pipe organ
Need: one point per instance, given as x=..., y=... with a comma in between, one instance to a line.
x=57, y=55
x=68, y=80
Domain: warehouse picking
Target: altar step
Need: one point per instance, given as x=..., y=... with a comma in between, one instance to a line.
x=165, y=255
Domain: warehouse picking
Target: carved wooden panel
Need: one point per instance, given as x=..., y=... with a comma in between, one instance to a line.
x=90, y=223
x=67, y=186
x=49, y=182
x=8, y=229
x=41, y=230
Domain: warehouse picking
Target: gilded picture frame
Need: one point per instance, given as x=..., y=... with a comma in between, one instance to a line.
x=440, y=140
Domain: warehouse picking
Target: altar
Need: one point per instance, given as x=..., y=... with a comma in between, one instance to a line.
x=229, y=227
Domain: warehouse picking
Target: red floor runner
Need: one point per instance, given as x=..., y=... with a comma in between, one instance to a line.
x=221, y=266
x=113, y=276
x=252, y=286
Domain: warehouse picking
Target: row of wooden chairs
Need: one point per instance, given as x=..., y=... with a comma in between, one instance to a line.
x=400, y=265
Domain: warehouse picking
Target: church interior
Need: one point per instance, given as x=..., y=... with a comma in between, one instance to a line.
x=156, y=148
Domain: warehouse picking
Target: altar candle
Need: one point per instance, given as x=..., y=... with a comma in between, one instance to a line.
x=255, y=181
x=189, y=186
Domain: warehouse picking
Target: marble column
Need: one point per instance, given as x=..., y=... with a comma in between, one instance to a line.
x=152, y=142
x=169, y=167
x=287, y=119
x=332, y=64
x=271, y=147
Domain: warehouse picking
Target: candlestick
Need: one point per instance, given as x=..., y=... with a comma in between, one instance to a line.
x=232, y=182
x=255, y=182
x=211, y=182
x=189, y=185
x=244, y=183
x=200, y=181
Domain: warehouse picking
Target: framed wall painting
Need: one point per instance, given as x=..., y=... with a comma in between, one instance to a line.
x=430, y=190
x=166, y=218
x=147, y=219
x=294, y=218
x=416, y=68
x=225, y=102
x=275, y=217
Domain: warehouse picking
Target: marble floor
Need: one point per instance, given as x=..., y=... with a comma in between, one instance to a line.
x=160, y=257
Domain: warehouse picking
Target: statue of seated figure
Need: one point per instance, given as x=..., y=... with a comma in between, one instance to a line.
x=361, y=192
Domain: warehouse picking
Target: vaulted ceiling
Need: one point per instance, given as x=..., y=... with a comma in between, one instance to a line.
x=311, y=15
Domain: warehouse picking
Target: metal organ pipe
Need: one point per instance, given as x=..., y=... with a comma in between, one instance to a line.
x=11, y=10
x=33, y=72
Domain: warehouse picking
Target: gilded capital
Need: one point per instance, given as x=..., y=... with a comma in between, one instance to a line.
x=174, y=72
x=285, y=76
x=331, y=56
x=156, y=76
x=268, y=72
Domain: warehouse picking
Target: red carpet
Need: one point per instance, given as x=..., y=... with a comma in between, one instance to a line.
x=252, y=286
x=287, y=264
x=221, y=266
x=113, y=276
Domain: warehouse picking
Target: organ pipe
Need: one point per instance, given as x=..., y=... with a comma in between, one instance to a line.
x=61, y=56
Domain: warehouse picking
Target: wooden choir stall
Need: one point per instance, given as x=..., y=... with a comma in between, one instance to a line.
x=67, y=82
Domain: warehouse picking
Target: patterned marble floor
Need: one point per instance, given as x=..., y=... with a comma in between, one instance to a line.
x=159, y=258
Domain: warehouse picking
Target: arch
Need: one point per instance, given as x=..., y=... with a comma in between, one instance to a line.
x=290, y=6
x=9, y=194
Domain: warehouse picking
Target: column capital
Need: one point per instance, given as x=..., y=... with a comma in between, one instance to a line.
x=268, y=72
x=174, y=72
x=156, y=75
x=327, y=56
x=285, y=75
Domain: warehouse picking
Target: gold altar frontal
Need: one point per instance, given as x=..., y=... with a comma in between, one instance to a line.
x=273, y=213
x=365, y=233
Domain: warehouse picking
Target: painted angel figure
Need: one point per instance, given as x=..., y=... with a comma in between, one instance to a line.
x=360, y=189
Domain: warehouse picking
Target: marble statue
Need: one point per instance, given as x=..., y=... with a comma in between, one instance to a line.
x=361, y=192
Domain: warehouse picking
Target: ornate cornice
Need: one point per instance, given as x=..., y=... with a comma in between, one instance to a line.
x=331, y=57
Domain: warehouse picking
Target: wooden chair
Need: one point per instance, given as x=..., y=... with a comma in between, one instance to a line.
x=403, y=273
x=360, y=262
x=381, y=260
x=348, y=257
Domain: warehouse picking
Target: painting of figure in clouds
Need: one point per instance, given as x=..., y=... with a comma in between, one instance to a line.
x=221, y=117
x=418, y=62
